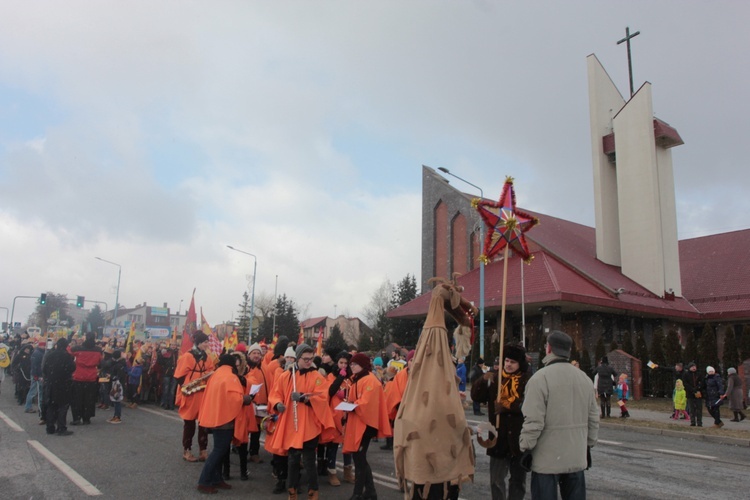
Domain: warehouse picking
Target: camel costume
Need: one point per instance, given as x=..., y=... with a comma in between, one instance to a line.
x=432, y=442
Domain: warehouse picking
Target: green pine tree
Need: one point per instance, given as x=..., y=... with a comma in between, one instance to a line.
x=690, y=354
x=335, y=340
x=586, y=363
x=627, y=343
x=708, y=351
x=672, y=348
x=613, y=346
x=731, y=356
x=641, y=350
x=661, y=381
x=744, y=343
x=599, y=351
x=657, y=347
x=405, y=331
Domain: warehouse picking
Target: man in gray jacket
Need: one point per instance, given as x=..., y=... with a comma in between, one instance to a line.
x=561, y=421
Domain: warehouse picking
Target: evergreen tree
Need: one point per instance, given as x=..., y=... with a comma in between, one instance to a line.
x=708, y=352
x=690, y=354
x=614, y=345
x=405, y=331
x=287, y=322
x=243, y=319
x=731, y=356
x=365, y=343
x=657, y=347
x=56, y=303
x=672, y=348
x=599, y=351
x=627, y=343
x=586, y=362
x=95, y=321
x=661, y=381
x=744, y=343
x=335, y=340
x=641, y=350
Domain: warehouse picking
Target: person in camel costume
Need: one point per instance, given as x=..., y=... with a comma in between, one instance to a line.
x=432, y=444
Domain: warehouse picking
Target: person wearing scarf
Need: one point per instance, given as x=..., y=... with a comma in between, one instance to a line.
x=368, y=419
x=505, y=454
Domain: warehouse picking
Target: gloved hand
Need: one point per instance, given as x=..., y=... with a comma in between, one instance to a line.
x=280, y=407
x=297, y=397
x=525, y=460
x=342, y=372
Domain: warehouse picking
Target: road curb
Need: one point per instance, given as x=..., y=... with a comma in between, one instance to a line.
x=678, y=434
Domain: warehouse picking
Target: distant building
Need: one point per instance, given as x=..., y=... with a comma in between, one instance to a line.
x=351, y=329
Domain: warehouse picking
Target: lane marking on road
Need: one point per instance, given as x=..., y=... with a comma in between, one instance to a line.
x=613, y=443
x=75, y=477
x=160, y=413
x=10, y=422
x=684, y=454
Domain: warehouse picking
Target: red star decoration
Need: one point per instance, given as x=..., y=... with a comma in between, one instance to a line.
x=507, y=227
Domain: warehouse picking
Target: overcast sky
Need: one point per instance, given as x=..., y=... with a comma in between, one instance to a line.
x=153, y=134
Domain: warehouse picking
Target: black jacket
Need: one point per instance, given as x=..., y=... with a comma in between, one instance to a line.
x=58, y=376
x=694, y=383
x=511, y=420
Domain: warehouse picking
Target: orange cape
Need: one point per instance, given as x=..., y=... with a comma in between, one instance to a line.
x=190, y=369
x=367, y=394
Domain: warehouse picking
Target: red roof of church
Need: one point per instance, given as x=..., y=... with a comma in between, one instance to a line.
x=565, y=271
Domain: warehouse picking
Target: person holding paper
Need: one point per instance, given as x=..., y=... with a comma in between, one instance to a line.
x=257, y=374
x=300, y=397
x=330, y=440
x=367, y=420
x=245, y=422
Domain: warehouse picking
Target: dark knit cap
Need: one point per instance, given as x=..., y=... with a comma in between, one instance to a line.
x=199, y=337
x=342, y=354
x=302, y=349
x=362, y=360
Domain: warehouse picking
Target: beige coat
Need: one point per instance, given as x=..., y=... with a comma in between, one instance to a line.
x=561, y=417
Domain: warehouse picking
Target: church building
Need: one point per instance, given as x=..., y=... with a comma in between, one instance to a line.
x=628, y=274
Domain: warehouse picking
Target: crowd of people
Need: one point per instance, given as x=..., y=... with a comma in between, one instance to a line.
x=312, y=407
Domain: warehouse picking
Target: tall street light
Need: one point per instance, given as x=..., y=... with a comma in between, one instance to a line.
x=481, y=266
x=252, y=299
x=117, y=295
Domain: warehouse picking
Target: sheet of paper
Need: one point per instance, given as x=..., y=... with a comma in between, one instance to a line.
x=483, y=429
x=261, y=410
x=255, y=389
x=651, y=364
x=343, y=406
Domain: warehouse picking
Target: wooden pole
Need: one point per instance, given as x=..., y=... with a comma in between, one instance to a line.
x=502, y=332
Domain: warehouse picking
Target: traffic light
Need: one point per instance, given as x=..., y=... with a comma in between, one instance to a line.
x=79, y=301
x=43, y=298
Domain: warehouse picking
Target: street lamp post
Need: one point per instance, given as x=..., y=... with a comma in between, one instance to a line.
x=252, y=297
x=117, y=295
x=481, y=266
x=7, y=311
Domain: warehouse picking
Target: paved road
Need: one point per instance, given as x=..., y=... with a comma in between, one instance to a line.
x=141, y=458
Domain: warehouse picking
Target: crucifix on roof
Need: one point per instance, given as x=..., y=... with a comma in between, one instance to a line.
x=627, y=39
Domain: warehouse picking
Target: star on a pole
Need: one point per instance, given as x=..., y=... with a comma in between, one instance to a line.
x=506, y=225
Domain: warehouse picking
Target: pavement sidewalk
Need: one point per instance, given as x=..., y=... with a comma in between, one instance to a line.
x=664, y=417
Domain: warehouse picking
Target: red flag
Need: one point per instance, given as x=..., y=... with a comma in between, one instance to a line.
x=319, y=347
x=190, y=326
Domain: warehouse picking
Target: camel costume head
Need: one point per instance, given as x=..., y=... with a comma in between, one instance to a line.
x=432, y=441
